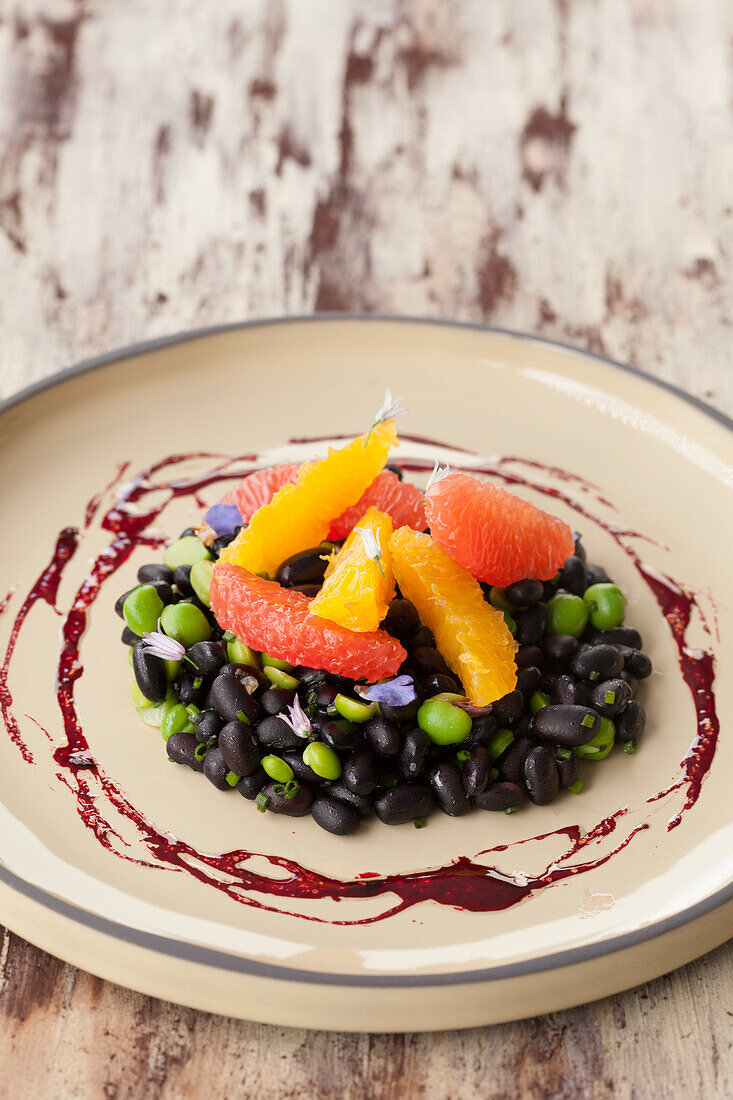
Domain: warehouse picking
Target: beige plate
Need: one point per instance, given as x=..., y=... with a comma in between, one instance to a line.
x=663, y=465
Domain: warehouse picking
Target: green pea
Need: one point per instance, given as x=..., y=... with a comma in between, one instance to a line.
x=601, y=745
x=538, y=700
x=186, y=551
x=179, y=719
x=186, y=623
x=499, y=743
x=277, y=769
x=275, y=662
x=240, y=654
x=497, y=598
x=353, y=710
x=201, y=574
x=606, y=604
x=443, y=723
x=142, y=609
x=566, y=614
x=322, y=760
x=279, y=678
x=154, y=713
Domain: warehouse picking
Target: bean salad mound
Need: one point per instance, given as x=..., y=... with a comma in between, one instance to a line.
x=298, y=740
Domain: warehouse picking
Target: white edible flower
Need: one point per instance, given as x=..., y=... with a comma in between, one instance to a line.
x=439, y=472
x=391, y=408
x=161, y=645
x=298, y=720
x=372, y=548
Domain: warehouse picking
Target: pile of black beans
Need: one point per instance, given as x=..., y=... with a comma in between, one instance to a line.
x=526, y=748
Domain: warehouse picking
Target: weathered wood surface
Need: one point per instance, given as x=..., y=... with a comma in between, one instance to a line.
x=559, y=167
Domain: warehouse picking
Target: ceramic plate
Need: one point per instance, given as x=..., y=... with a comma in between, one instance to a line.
x=143, y=873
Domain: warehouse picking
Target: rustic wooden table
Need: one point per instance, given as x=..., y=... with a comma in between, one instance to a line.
x=560, y=167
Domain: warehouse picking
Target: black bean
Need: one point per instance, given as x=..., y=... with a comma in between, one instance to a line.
x=230, y=698
x=182, y=580
x=404, y=713
x=630, y=680
x=249, y=786
x=335, y=816
x=382, y=736
x=429, y=660
x=276, y=700
x=564, y=689
x=341, y=735
x=164, y=590
x=630, y=724
x=436, y=684
x=635, y=663
x=216, y=769
x=501, y=796
x=531, y=624
x=541, y=776
x=305, y=567
x=402, y=619
x=156, y=571
x=119, y=602
x=610, y=697
x=422, y=637
x=129, y=637
x=186, y=532
x=566, y=724
x=273, y=733
x=395, y=470
x=414, y=754
x=596, y=574
x=251, y=679
x=482, y=731
x=364, y=803
x=567, y=771
x=560, y=647
x=294, y=757
x=510, y=709
x=597, y=662
x=325, y=695
x=279, y=803
x=208, y=657
x=361, y=773
x=207, y=726
x=405, y=802
x=239, y=749
x=181, y=748
x=475, y=770
x=189, y=688
x=529, y=656
x=574, y=575
x=579, y=548
x=309, y=590
x=150, y=674
x=524, y=593
x=511, y=763
x=447, y=786
x=221, y=542
x=551, y=588
x=528, y=680
x=310, y=678
x=618, y=635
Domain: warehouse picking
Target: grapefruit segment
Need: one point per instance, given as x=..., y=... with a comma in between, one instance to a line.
x=355, y=592
x=276, y=621
x=259, y=488
x=401, y=500
x=471, y=634
x=300, y=515
x=496, y=536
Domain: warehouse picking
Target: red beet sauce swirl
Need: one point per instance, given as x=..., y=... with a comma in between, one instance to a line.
x=462, y=883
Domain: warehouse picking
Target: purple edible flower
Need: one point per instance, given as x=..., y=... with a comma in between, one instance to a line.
x=223, y=518
x=395, y=693
x=298, y=720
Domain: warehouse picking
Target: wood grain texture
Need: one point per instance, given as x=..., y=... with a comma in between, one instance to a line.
x=558, y=167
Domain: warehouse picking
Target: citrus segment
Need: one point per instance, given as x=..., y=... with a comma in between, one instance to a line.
x=300, y=515
x=276, y=621
x=355, y=592
x=259, y=488
x=496, y=536
x=403, y=502
x=469, y=632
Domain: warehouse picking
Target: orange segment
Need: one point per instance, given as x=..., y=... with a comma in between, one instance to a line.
x=300, y=515
x=469, y=632
x=355, y=592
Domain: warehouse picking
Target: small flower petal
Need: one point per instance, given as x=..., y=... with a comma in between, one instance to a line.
x=298, y=720
x=372, y=548
x=395, y=693
x=159, y=644
x=223, y=518
x=391, y=408
x=439, y=472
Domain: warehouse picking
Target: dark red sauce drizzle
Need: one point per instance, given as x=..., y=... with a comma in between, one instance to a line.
x=463, y=883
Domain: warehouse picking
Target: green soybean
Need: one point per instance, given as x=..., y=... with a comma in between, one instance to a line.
x=601, y=745
x=566, y=614
x=279, y=678
x=142, y=609
x=277, y=769
x=154, y=713
x=201, y=574
x=443, y=723
x=499, y=743
x=353, y=710
x=275, y=662
x=179, y=719
x=322, y=760
x=172, y=668
x=240, y=654
x=186, y=623
x=186, y=551
x=606, y=604
x=138, y=698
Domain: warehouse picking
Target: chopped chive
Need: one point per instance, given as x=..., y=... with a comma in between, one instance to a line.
x=262, y=802
x=419, y=823
x=588, y=721
x=463, y=755
x=229, y=637
x=198, y=682
x=609, y=698
x=242, y=717
x=494, y=773
x=311, y=698
x=564, y=754
x=630, y=747
x=200, y=751
x=577, y=786
x=389, y=781
x=594, y=676
x=233, y=778
x=512, y=809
